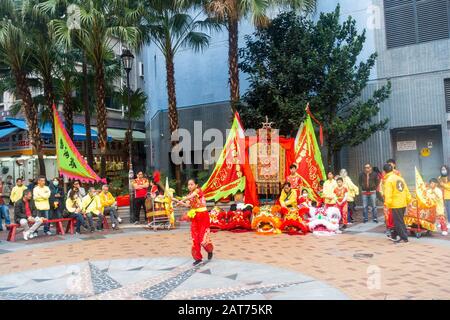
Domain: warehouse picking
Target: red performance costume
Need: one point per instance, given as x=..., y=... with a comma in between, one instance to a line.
x=295, y=180
x=200, y=225
x=341, y=203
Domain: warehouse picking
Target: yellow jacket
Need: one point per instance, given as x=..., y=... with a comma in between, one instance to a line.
x=72, y=205
x=396, y=192
x=106, y=200
x=17, y=193
x=289, y=200
x=328, y=191
x=41, y=196
x=353, y=190
x=92, y=204
x=445, y=185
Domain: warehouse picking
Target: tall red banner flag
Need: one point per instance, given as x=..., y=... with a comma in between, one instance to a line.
x=309, y=158
x=232, y=172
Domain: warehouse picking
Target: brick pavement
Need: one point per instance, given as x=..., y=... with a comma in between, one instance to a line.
x=415, y=270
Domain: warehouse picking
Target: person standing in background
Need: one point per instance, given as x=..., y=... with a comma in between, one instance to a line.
x=444, y=183
x=368, y=182
x=353, y=191
x=56, y=198
x=41, y=196
x=396, y=198
x=140, y=186
x=435, y=194
x=329, y=186
x=4, y=211
x=17, y=191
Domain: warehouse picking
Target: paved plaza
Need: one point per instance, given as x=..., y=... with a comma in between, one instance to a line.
x=138, y=263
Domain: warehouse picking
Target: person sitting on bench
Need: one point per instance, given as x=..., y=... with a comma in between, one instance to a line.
x=108, y=201
x=74, y=207
x=92, y=207
x=25, y=213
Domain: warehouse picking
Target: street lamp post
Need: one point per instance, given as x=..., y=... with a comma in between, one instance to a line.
x=127, y=61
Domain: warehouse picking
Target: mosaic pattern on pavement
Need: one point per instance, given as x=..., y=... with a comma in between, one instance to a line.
x=163, y=278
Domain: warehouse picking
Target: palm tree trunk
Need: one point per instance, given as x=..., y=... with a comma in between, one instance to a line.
x=233, y=61
x=68, y=113
x=31, y=115
x=101, y=117
x=87, y=115
x=50, y=98
x=173, y=112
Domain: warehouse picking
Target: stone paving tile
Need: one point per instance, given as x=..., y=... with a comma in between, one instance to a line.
x=398, y=266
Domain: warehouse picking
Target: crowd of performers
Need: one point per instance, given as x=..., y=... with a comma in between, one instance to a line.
x=298, y=212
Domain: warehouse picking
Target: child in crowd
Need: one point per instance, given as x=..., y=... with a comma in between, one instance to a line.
x=341, y=193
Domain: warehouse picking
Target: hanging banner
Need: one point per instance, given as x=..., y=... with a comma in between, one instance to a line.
x=70, y=162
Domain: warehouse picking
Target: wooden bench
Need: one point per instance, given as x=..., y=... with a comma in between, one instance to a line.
x=58, y=223
x=70, y=228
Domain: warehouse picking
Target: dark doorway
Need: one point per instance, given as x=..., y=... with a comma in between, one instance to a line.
x=418, y=147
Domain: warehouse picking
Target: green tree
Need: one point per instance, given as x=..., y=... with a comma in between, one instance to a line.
x=102, y=23
x=138, y=100
x=171, y=28
x=231, y=12
x=16, y=62
x=295, y=61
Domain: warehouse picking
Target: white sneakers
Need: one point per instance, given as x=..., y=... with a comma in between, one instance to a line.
x=119, y=219
x=48, y=233
x=444, y=233
x=25, y=235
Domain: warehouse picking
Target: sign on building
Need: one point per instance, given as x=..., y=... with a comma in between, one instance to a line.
x=406, y=145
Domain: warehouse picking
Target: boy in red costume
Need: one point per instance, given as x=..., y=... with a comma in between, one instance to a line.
x=199, y=216
x=341, y=193
x=294, y=179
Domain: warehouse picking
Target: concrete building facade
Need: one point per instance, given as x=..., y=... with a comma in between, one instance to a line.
x=412, y=39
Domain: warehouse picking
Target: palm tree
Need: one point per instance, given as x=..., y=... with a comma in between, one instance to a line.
x=102, y=22
x=138, y=100
x=171, y=28
x=16, y=54
x=231, y=12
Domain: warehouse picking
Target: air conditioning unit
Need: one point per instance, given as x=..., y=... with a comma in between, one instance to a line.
x=141, y=69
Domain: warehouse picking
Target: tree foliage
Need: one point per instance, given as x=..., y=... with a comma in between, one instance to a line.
x=295, y=61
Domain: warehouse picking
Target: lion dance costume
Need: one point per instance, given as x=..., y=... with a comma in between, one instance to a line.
x=200, y=224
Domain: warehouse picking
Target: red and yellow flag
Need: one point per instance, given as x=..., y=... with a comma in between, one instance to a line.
x=232, y=172
x=71, y=163
x=423, y=200
x=308, y=158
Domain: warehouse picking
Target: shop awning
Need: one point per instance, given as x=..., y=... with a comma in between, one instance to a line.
x=79, y=130
x=119, y=134
x=7, y=131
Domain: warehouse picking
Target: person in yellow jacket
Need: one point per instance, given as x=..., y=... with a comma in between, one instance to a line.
x=107, y=201
x=396, y=197
x=92, y=206
x=444, y=183
x=17, y=191
x=328, y=190
x=353, y=191
x=288, y=198
x=41, y=196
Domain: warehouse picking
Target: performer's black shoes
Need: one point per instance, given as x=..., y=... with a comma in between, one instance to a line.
x=210, y=255
x=196, y=262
